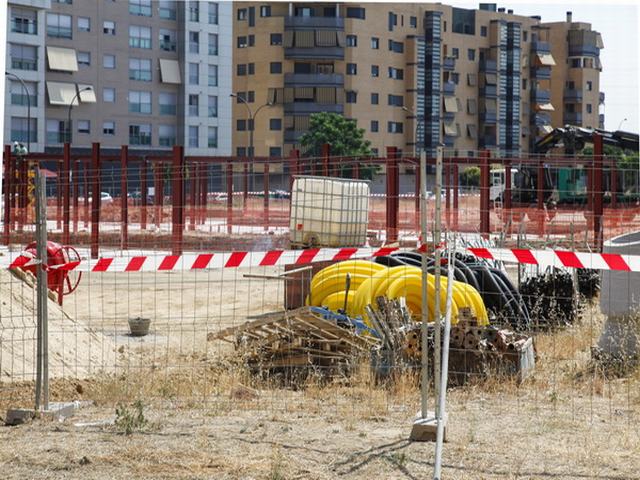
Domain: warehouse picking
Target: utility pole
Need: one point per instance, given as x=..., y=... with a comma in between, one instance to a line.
x=42, y=369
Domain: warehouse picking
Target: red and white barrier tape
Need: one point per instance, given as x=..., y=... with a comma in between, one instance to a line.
x=562, y=258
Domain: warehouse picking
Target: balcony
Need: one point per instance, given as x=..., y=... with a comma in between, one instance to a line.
x=448, y=64
x=23, y=137
x=541, y=119
x=540, y=47
x=314, y=53
x=448, y=141
x=488, y=66
x=540, y=96
x=488, y=118
x=293, y=23
x=541, y=73
x=448, y=88
x=487, y=141
x=313, y=79
x=302, y=108
x=572, y=118
x=572, y=95
x=583, y=51
x=168, y=46
x=22, y=99
x=601, y=98
x=489, y=91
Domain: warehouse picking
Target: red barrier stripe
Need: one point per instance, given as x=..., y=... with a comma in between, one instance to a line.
x=102, y=264
x=344, y=254
x=524, y=256
x=135, y=264
x=482, y=253
x=270, y=258
x=307, y=256
x=69, y=266
x=202, y=261
x=616, y=262
x=19, y=262
x=384, y=251
x=569, y=259
x=235, y=259
x=169, y=262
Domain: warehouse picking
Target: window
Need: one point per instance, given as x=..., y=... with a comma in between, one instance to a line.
x=265, y=11
x=109, y=61
x=589, y=85
x=241, y=42
x=392, y=21
x=194, y=11
x=251, y=96
x=24, y=57
x=213, y=13
x=395, y=100
x=589, y=108
x=18, y=97
x=140, y=69
x=252, y=40
x=212, y=137
x=455, y=53
x=471, y=54
x=139, y=37
x=374, y=126
x=356, y=12
x=59, y=25
x=84, y=126
x=275, y=152
x=22, y=129
x=166, y=135
x=167, y=102
x=352, y=69
x=55, y=131
x=141, y=8
x=483, y=31
x=241, y=69
x=413, y=22
x=455, y=77
x=212, y=76
x=139, y=102
x=241, y=151
x=351, y=96
x=241, y=125
x=276, y=39
x=275, y=124
x=251, y=68
x=524, y=84
x=397, y=47
x=193, y=136
x=109, y=127
x=194, y=74
x=525, y=34
x=140, y=134
x=24, y=21
x=167, y=40
x=396, y=73
x=464, y=21
x=275, y=67
x=394, y=127
x=109, y=27
x=375, y=43
x=84, y=24
x=375, y=71
x=84, y=59
x=212, y=106
x=167, y=9
x=108, y=94
x=213, y=44
x=194, y=109
x=194, y=42
x=352, y=40
x=242, y=14
x=375, y=99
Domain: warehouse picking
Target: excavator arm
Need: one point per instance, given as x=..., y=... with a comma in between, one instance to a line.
x=574, y=139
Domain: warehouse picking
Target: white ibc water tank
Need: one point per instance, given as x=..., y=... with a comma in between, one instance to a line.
x=329, y=212
x=620, y=301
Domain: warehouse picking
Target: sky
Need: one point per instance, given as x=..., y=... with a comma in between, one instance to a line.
x=618, y=24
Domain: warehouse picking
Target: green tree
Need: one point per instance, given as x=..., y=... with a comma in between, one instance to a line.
x=470, y=177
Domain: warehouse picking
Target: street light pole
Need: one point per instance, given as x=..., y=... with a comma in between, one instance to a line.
x=69, y=111
x=26, y=92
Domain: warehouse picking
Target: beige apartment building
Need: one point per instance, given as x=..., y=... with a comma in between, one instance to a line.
x=412, y=75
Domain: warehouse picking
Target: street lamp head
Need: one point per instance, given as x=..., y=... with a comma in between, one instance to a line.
x=406, y=109
x=234, y=95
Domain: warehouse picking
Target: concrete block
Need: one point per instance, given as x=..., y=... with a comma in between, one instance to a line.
x=18, y=416
x=426, y=429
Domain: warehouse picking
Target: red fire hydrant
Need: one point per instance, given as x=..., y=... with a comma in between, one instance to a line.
x=58, y=279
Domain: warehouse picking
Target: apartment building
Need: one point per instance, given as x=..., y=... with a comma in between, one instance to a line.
x=148, y=74
x=412, y=75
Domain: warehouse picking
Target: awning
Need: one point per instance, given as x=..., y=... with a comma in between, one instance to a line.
x=451, y=129
x=63, y=59
x=450, y=105
x=61, y=93
x=525, y=61
x=599, y=42
x=472, y=79
x=341, y=38
x=472, y=106
x=288, y=39
x=545, y=129
x=490, y=78
x=490, y=105
x=545, y=59
x=170, y=71
x=472, y=131
x=87, y=96
x=305, y=93
x=326, y=95
x=547, y=107
x=326, y=38
x=305, y=39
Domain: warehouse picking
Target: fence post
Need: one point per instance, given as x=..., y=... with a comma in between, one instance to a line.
x=456, y=181
x=42, y=367
x=447, y=191
x=507, y=185
x=416, y=194
x=540, y=198
x=393, y=186
x=229, y=195
x=204, y=190
x=613, y=179
x=177, y=199
x=66, y=192
x=485, y=220
x=87, y=167
x=193, y=195
x=326, y=152
x=597, y=190
x=266, y=196
x=76, y=194
x=95, y=200
x=58, y=197
x=124, y=206
x=294, y=169
x=144, y=192
x=8, y=186
x=245, y=185
x=23, y=193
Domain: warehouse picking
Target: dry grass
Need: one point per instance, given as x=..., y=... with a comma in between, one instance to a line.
x=216, y=420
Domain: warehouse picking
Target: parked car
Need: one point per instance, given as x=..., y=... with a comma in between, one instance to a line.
x=105, y=197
